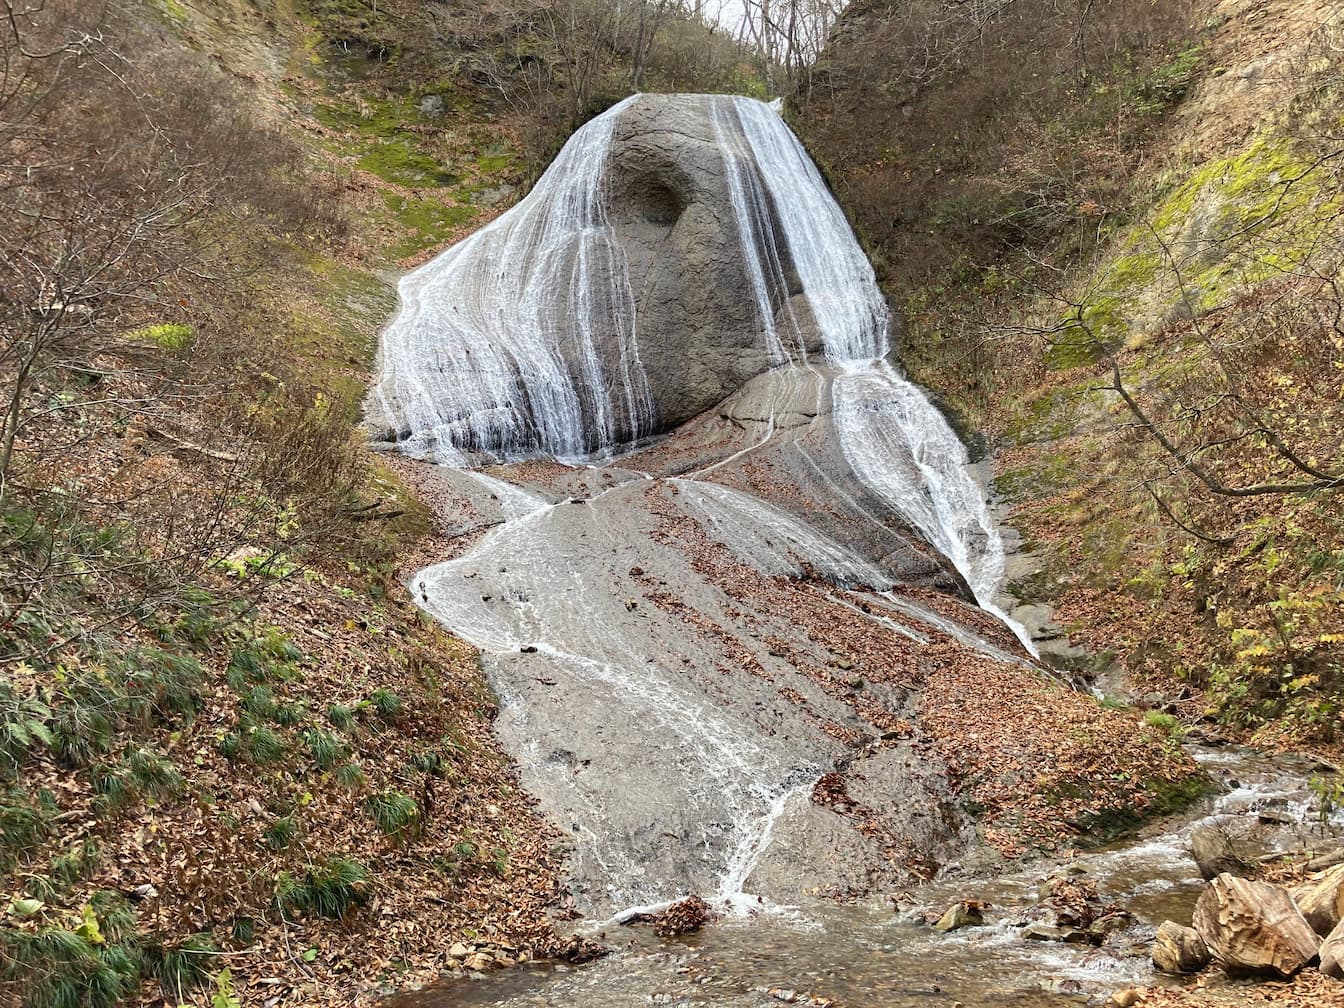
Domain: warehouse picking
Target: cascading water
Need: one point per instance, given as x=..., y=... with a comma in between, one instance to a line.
x=527, y=340
x=484, y=361
x=481, y=359
x=894, y=438
x=836, y=276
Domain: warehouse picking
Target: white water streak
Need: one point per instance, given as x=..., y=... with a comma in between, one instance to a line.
x=485, y=361
x=896, y=441
x=476, y=364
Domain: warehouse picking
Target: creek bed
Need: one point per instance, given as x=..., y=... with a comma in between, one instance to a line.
x=880, y=954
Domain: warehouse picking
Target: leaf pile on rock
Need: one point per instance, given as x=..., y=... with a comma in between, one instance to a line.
x=1077, y=904
x=681, y=918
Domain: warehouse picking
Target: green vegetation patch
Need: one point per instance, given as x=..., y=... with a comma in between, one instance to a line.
x=385, y=135
x=399, y=162
x=169, y=335
x=1227, y=226
x=331, y=889
x=1164, y=797
x=424, y=222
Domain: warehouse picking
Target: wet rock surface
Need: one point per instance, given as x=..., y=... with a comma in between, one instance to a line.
x=871, y=955
x=963, y=913
x=1254, y=928
x=645, y=279
x=1179, y=949
x=672, y=210
x=707, y=687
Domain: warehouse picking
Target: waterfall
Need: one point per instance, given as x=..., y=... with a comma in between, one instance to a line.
x=896, y=441
x=475, y=363
x=524, y=341
x=836, y=276
x=485, y=362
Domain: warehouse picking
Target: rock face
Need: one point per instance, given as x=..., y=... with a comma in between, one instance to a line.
x=1332, y=953
x=1213, y=850
x=1179, y=949
x=677, y=247
x=1253, y=928
x=674, y=166
x=1322, y=900
x=967, y=913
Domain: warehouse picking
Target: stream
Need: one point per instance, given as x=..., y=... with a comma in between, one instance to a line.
x=881, y=954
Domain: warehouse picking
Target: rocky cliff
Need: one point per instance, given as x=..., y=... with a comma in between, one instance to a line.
x=1115, y=241
x=644, y=280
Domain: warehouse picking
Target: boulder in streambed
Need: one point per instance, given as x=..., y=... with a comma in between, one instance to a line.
x=1321, y=900
x=967, y=913
x=1254, y=928
x=1048, y=933
x=1214, y=851
x=1332, y=953
x=1179, y=949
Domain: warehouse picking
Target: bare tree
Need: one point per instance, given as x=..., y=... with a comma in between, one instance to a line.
x=649, y=16
x=788, y=35
x=139, y=200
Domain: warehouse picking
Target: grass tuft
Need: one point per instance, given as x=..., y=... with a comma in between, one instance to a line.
x=351, y=775
x=331, y=889
x=25, y=822
x=341, y=717
x=264, y=746
x=325, y=748
x=281, y=833
x=179, y=968
x=387, y=704
x=393, y=811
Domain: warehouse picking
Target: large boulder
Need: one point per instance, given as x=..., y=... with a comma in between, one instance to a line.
x=678, y=246
x=1215, y=852
x=1179, y=949
x=700, y=332
x=1254, y=928
x=1332, y=953
x=1322, y=900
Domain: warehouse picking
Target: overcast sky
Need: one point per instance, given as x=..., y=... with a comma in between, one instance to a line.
x=728, y=13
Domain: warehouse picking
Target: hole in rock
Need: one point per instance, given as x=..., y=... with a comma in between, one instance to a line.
x=659, y=204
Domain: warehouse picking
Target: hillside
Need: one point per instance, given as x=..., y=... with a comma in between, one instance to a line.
x=1125, y=272
x=240, y=765
x=226, y=736
x=1116, y=248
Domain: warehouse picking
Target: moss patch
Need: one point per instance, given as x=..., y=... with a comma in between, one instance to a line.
x=169, y=335
x=424, y=223
x=1164, y=797
x=1225, y=227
